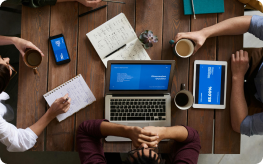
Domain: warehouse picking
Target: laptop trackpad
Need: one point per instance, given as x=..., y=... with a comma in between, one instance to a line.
x=138, y=124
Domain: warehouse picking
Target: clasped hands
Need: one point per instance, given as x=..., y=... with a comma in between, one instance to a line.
x=149, y=135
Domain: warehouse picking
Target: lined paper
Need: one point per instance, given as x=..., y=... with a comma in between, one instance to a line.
x=112, y=35
x=79, y=92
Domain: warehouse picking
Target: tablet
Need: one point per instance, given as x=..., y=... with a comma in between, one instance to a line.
x=209, y=84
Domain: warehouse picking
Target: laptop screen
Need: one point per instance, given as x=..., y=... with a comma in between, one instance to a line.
x=139, y=77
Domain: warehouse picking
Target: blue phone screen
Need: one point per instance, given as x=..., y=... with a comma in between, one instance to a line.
x=60, y=49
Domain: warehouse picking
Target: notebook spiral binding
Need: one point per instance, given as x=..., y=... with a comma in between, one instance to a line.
x=60, y=86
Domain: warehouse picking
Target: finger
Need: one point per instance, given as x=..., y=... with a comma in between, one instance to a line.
x=196, y=49
x=149, y=133
x=66, y=109
x=147, y=138
x=62, y=99
x=68, y=102
x=233, y=58
x=178, y=37
x=150, y=144
x=22, y=53
x=246, y=55
x=32, y=46
x=237, y=56
x=241, y=55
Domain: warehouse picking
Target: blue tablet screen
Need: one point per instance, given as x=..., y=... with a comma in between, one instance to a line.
x=210, y=84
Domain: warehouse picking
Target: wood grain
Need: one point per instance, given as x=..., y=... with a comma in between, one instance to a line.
x=31, y=104
x=174, y=22
x=149, y=16
x=64, y=20
x=202, y=119
x=226, y=140
x=129, y=10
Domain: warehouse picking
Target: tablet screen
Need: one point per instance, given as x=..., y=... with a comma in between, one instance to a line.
x=210, y=83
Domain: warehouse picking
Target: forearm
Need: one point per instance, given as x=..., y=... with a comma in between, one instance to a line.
x=232, y=26
x=177, y=133
x=41, y=124
x=4, y=40
x=238, y=105
x=111, y=129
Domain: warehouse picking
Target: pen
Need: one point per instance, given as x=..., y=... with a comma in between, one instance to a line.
x=193, y=8
x=66, y=100
x=91, y=11
x=113, y=1
x=115, y=51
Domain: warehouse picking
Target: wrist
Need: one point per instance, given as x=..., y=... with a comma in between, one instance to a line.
x=238, y=77
x=205, y=32
x=49, y=115
x=128, y=130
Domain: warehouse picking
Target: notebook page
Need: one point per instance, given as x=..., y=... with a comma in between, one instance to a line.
x=78, y=91
x=132, y=51
x=111, y=35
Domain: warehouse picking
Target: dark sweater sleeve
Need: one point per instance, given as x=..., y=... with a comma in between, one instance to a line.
x=186, y=152
x=38, y=3
x=89, y=144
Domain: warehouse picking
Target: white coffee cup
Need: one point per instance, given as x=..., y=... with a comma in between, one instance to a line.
x=184, y=99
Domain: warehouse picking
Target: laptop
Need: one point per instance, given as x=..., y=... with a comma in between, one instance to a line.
x=138, y=93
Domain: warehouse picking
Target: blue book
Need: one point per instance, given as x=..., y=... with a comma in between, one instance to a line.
x=204, y=6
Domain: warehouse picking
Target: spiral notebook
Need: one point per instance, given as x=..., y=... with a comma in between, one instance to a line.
x=79, y=92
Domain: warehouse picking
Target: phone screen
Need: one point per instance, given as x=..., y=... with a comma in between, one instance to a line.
x=60, y=49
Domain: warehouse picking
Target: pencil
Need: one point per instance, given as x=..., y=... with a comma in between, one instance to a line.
x=91, y=11
x=113, y=1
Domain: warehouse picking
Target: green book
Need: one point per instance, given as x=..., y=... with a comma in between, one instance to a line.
x=204, y=6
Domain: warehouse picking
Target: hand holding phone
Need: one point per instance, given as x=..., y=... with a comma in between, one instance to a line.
x=60, y=49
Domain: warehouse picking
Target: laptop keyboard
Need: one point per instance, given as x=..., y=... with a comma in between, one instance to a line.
x=137, y=109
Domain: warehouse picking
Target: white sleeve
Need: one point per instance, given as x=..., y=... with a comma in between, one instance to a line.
x=16, y=140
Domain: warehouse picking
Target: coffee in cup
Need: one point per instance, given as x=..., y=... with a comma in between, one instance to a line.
x=183, y=48
x=33, y=59
x=183, y=99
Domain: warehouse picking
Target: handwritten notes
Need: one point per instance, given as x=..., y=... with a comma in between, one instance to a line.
x=132, y=51
x=79, y=92
x=112, y=35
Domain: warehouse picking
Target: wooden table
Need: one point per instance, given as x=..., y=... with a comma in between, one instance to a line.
x=165, y=18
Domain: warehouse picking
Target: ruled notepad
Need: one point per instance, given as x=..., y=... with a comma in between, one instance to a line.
x=79, y=92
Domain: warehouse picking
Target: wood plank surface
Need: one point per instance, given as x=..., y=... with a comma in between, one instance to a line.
x=31, y=105
x=226, y=140
x=175, y=21
x=64, y=20
x=149, y=16
x=202, y=119
x=129, y=10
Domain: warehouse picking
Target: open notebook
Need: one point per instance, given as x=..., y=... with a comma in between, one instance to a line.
x=79, y=92
x=113, y=34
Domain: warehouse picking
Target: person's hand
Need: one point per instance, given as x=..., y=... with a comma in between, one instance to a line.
x=160, y=131
x=59, y=107
x=239, y=64
x=89, y=3
x=198, y=37
x=22, y=45
x=139, y=136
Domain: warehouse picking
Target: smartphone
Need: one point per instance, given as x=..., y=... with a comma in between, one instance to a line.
x=60, y=49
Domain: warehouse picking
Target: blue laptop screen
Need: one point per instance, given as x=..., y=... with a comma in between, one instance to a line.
x=139, y=76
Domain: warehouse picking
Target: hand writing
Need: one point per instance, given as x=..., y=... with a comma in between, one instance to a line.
x=59, y=106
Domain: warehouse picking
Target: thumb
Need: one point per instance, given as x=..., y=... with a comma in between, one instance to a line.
x=22, y=53
x=196, y=48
